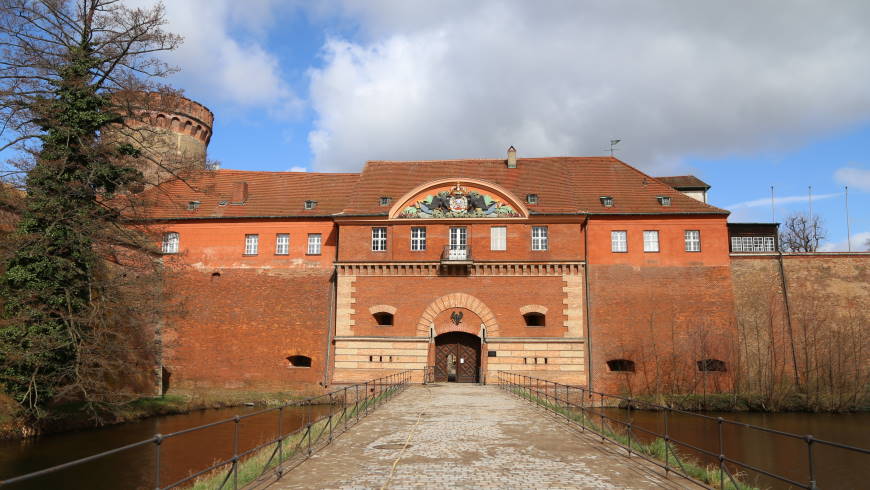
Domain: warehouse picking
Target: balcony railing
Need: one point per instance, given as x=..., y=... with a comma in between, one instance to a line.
x=454, y=255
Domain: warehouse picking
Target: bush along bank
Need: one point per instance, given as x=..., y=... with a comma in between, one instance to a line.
x=732, y=402
x=76, y=416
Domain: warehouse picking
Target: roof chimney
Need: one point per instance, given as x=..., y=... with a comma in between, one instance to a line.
x=240, y=192
x=512, y=157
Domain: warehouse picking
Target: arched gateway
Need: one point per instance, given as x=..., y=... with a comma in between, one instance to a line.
x=457, y=357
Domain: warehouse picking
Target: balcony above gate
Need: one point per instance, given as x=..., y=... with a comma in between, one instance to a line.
x=457, y=256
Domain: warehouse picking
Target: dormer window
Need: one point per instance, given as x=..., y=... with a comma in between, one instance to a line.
x=192, y=205
x=606, y=201
x=385, y=201
x=532, y=198
x=310, y=204
x=664, y=200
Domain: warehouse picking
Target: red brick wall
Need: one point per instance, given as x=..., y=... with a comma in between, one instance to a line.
x=665, y=319
x=666, y=310
x=565, y=241
x=504, y=295
x=236, y=330
x=216, y=243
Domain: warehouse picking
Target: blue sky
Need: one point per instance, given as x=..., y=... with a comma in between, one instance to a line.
x=743, y=94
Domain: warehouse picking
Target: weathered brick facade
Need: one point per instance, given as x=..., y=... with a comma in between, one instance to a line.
x=550, y=268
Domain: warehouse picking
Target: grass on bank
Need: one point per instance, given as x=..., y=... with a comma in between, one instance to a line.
x=256, y=464
x=655, y=449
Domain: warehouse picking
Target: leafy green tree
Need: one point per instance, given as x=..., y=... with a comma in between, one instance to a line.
x=65, y=64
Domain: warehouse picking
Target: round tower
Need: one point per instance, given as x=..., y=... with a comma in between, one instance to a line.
x=173, y=132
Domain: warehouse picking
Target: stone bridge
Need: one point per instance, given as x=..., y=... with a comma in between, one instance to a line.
x=455, y=435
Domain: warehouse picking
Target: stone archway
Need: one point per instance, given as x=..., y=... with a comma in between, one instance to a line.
x=457, y=300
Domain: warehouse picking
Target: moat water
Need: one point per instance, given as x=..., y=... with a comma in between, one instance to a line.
x=784, y=456
x=191, y=452
x=136, y=468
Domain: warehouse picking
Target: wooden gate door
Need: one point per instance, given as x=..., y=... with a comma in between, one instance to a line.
x=457, y=357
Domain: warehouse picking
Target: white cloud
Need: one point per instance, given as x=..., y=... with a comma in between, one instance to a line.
x=468, y=79
x=222, y=57
x=765, y=201
x=297, y=169
x=859, y=244
x=857, y=178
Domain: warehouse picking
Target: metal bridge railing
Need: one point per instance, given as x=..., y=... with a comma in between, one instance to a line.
x=578, y=405
x=356, y=402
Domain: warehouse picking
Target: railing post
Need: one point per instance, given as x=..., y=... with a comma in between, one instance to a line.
x=236, y=453
x=344, y=414
x=329, y=420
x=280, y=436
x=356, y=400
x=810, y=462
x=583, y=408
x=629, y=425
x=158, y=440
x=667, y=440
x=721, y=453
x=601, y=411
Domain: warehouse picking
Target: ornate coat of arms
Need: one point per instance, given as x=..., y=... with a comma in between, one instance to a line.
x=459, y=203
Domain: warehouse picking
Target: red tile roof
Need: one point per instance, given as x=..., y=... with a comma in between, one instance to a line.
x=269, y=194
x=684, y=182
x=563, y=184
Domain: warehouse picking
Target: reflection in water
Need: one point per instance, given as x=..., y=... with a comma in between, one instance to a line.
x=835, y=468
x=136, y=468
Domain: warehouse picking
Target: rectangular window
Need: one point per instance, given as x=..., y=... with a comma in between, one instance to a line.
x=693, y=241
x=458, y=243
x=170, y=243
x=619, y=241
x=539, y=238
x=418, y=238
x=498, y=238
x=314, y=243
x=651, y=241
x=282, y=244
x=252, y=243
x=379, y=239
x=753, y=244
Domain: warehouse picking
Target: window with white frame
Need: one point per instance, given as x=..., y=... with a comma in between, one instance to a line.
x=282, y=244
x=693, y=240
x=753, y=244
x=314, y=241
x=539, y=238
x=498, y=238
x=418, y=238
x=619, y=241
x=379, y=239
x=651, y=241
x=252, y=243
x=170, y=243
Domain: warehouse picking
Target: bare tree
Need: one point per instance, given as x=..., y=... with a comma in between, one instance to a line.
x=801, y=233
x=77, y=283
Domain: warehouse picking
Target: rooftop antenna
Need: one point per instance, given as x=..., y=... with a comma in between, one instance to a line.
x=848, y=228
x=810, y=194
x=612, y=144
x=772, y=207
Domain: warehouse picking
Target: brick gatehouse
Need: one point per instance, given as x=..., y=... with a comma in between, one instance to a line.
x=577, y=269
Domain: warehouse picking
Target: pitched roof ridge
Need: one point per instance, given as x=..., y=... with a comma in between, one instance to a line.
x=605, y=157
x=637, y=170
x=281, y=172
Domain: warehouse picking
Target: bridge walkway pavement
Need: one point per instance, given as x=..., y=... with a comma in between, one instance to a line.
x=470, y=436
